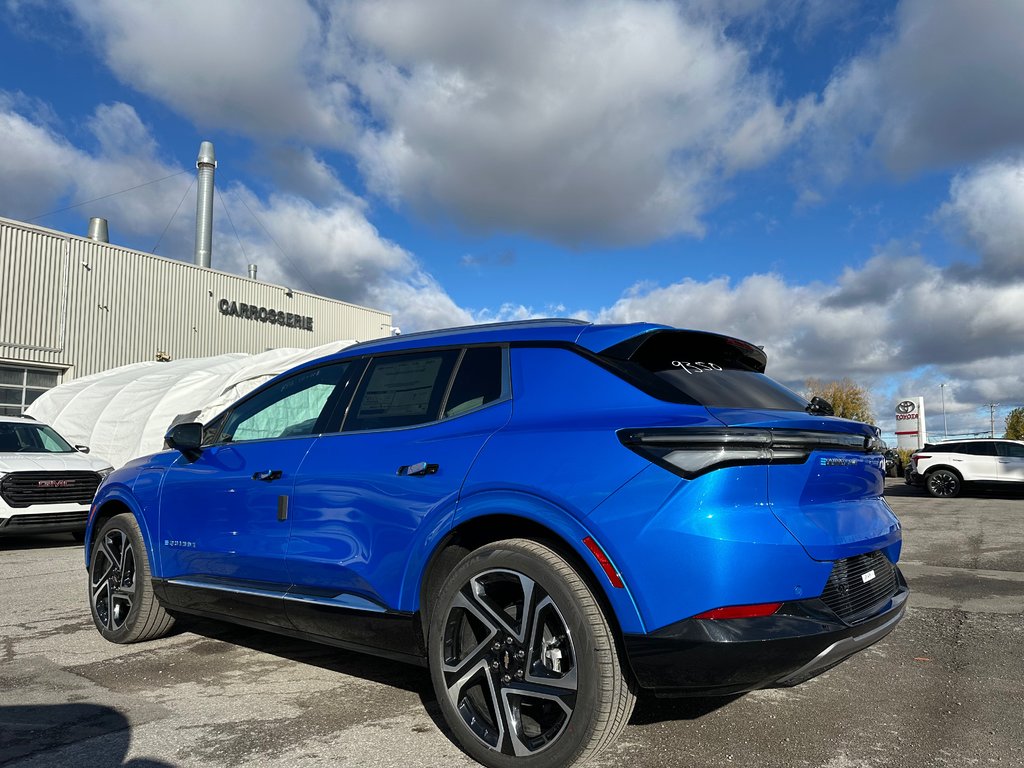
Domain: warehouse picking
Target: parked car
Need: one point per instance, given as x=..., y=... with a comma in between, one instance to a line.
x=893, y=463
x=46, y=484
x=549, y=515
x=945, y=468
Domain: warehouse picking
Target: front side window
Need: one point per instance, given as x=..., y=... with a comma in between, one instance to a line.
x=290, y=408
x=401, y=390
x=1011, y=450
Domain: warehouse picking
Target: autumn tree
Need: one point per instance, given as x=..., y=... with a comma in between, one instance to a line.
x=848, y=399
x=1015, y=424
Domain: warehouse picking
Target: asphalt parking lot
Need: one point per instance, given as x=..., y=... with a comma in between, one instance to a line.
x=945, y=689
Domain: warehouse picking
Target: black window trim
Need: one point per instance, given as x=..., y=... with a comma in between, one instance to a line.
x=506, y=385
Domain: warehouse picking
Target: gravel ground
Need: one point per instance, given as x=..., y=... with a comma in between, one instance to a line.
x=945, y=689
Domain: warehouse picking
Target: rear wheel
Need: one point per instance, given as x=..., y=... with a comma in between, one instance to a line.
x=943, y=484
x=523, y=661
x=124, y=608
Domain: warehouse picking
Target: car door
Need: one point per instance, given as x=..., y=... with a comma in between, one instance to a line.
x=1011, y=462
x=223, y=514
x=367, y=498
x=978, y=460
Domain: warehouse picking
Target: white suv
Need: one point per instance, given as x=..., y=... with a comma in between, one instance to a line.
x=946, y=467
x=46, y=485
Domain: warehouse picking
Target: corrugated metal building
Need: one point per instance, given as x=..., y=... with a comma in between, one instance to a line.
x=71, y=306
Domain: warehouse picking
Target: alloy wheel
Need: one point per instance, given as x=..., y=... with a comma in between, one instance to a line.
x=113, y=579
x=509, y=663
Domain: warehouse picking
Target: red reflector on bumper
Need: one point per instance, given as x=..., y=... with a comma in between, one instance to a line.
x=740, y=611
x=606, y=564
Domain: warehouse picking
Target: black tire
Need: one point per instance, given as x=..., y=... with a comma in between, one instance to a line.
x=121, y=598
x=943, y=484
x=523, y=661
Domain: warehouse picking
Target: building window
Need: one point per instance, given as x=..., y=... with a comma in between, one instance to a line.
x=20, y=386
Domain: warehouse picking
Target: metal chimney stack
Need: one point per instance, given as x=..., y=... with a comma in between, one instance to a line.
x=206, y=163
x=98, y=230
x=252, y=271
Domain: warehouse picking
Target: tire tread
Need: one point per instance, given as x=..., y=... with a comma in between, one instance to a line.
x=151, y=619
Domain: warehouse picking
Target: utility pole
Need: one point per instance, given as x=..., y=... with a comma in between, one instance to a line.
x=992, y=418
x=942, y=393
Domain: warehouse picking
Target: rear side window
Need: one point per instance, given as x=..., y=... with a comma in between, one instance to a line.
x=978, y=449
x=705, y=369
x=401, y=390
x=478, y=381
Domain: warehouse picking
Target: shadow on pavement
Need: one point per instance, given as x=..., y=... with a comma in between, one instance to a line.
x=407, y=677
x=39, y=541
x=654, y=710
x=30, y=730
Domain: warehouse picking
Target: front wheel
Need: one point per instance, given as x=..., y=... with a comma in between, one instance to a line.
x=124, y=608
x=523, y=661
x=943, y=484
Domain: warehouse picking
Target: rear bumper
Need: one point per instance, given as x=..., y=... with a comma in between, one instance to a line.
x=699, y=657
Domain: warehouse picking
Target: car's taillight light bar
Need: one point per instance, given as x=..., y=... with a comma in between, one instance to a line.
x=693, y=452
x=917, y=457
x=740, y=611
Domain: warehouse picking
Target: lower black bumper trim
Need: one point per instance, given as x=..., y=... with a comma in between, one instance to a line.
x=700, y=657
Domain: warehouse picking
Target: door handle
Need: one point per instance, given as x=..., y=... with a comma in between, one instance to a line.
x=269, y=476
x=418, y=470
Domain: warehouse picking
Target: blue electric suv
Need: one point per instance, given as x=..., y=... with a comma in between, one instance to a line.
x=552, y=516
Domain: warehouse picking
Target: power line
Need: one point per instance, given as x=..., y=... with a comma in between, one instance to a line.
x=104, y=197
x=302, y=276
x=174, y=214
x=225, y=207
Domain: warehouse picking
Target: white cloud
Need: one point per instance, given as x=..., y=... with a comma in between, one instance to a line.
x=942, y=88
x=570, y=121
x=879, y=325
x=987, y=204
x=34, y=165
x=253, y=68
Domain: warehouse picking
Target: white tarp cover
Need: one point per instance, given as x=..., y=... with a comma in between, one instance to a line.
x=125, y=412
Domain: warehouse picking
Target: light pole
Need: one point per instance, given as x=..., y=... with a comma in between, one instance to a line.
x=942, y=394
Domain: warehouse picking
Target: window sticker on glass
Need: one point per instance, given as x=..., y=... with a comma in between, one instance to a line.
x=400, y=388
x=696, y=366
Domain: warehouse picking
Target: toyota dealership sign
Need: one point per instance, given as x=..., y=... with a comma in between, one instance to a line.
x=910, y=429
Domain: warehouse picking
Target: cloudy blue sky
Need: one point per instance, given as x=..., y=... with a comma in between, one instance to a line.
x=840, y=182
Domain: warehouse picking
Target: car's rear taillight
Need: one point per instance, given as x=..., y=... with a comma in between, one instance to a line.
x=917, y=457
x=693, y=452
x=740, y=611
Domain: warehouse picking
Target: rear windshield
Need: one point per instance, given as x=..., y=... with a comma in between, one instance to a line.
x=703, y=368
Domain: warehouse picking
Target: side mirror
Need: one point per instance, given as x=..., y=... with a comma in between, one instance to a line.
x=820, y=405
x=82, y=448
x=186, y=438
